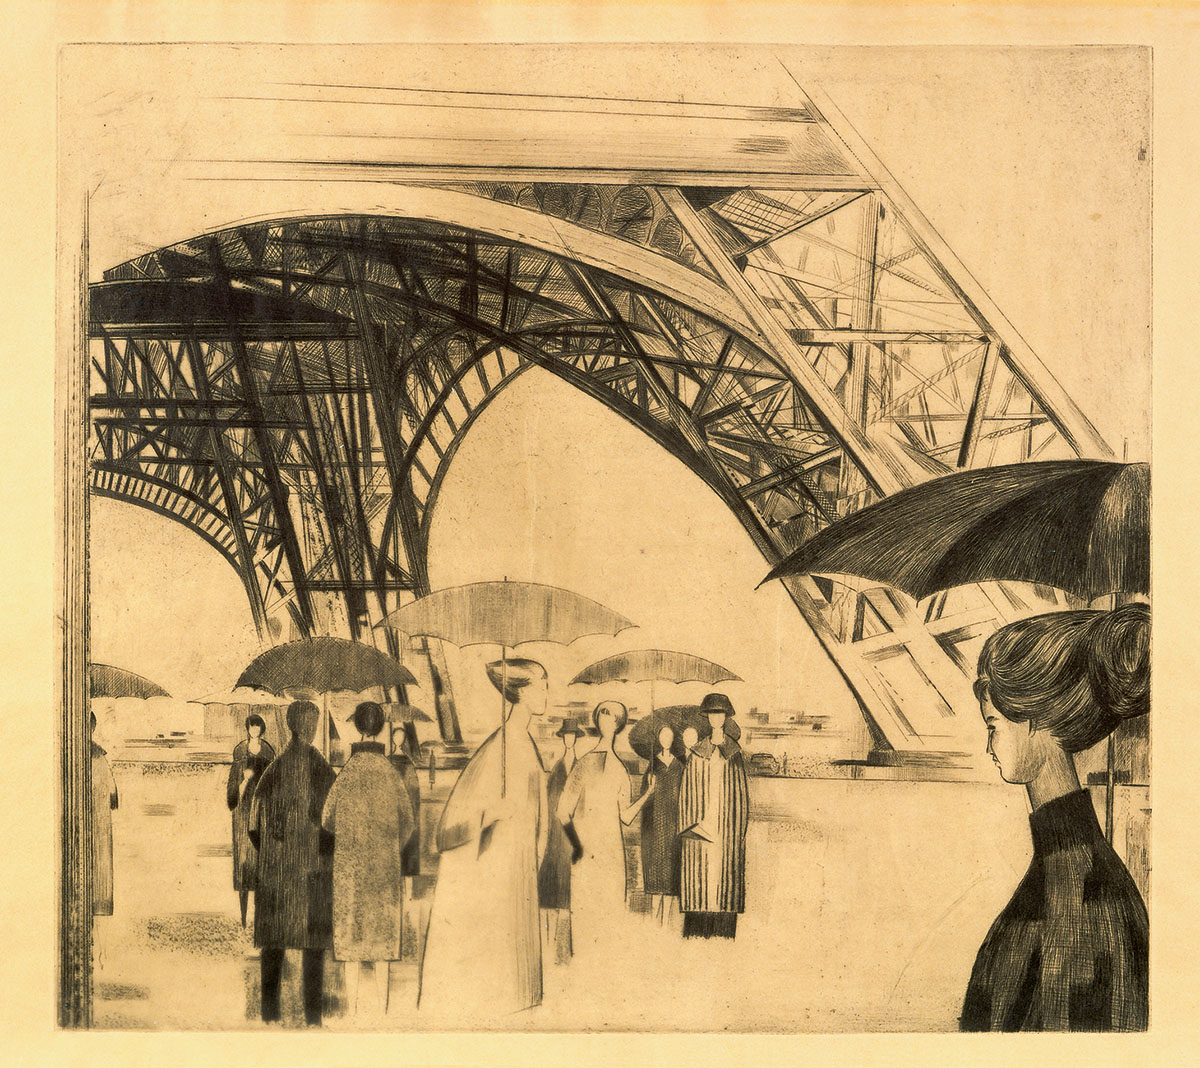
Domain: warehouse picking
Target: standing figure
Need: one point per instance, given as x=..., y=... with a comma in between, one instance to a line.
x=483, y=947
x=714, y=811
x=250, y=759
x=595, y=803
x=661, y=847
x=1070, y=950
x=104, y=801
x=293, y=906
x=370, y=817
x=554, y=877
x=405, y=748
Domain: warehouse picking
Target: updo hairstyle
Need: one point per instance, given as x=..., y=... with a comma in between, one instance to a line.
x=512, y=676
x=1076, y=674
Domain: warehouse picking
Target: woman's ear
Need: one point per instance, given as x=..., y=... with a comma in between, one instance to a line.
x=1041, y=741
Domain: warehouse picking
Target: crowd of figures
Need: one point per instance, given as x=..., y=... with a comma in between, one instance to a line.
x=694, y=807
x=529, y=859
x=329, y=857
x=526, y=860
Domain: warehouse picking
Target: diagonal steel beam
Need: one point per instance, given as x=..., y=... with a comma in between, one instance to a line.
x=677, y=414
x=352, y=471
x=978, y=410
x=225, y=478
x=325, y=489
x=883, y=467
x=799, y=224
x=266, y=450
x=1075, y=427
x=386, y=407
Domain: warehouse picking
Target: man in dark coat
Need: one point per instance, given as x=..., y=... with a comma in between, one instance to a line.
x=294, y=906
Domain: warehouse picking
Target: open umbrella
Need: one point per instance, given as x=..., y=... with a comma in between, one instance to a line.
x=506, y=614
x=643, y=735
x=104, y=680
x=1079, y=525
x=247, y=696
x=654, y=665
x=401, y=713
x=323, y=665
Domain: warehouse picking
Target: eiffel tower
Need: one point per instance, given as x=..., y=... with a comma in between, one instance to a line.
x=760, y=298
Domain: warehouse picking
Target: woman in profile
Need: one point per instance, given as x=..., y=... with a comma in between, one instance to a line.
x=250, y=759
x=1070, y=950
x=483, y=946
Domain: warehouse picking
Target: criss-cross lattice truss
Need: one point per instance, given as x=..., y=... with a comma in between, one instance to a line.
x=295, y=391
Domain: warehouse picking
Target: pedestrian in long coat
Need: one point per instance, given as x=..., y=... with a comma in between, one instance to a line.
x=251, y=758
x=554, y=876
x=483, y=948
x=369, y=815
x=714, y=812
x=294, y=899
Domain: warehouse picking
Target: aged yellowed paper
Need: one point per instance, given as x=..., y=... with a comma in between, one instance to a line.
x=392, y=685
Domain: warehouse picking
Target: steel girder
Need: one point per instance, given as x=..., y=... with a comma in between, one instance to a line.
x=295, y=391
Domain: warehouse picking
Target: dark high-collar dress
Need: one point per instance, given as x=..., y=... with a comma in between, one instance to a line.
x=240, y=795
x=1070, y=950
x=661, y=846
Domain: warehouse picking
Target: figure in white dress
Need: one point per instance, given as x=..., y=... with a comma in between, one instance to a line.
x=596, y=801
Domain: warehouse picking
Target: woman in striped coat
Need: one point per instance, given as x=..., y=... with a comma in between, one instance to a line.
x=714, y=810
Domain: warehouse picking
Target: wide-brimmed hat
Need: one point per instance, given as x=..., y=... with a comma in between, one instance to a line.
x=571, y=725
x=716, y=703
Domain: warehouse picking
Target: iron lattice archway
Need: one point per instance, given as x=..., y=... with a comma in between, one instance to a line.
x=294, y=391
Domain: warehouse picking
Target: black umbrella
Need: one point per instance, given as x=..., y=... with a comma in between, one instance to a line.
x=1079, y=525
x=104, y=680
x=643, y=735
x=323, y=665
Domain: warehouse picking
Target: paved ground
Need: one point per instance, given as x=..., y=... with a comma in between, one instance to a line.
x=866, y=902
